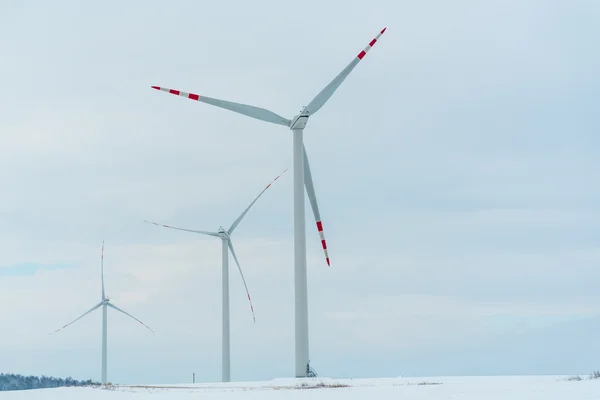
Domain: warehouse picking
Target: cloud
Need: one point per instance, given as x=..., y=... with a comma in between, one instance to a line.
x=29, y=269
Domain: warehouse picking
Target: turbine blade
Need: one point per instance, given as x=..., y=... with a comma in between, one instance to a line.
x=245, y=109
x=328, y=91
x=78, y=318
x=242, y=275
x=239, y=219
x=102, y=270
x=182, y=229
x=312, y=197
x=129, y=315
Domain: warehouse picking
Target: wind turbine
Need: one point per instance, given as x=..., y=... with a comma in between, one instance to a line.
x=225, y=236
x=105, y=303
x=302, y=177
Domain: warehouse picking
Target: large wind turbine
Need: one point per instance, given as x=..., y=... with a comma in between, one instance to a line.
x=105, y=303
x=225, y=236
x=302, y=177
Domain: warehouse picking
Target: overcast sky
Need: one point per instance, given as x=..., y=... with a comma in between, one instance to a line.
x=456, y=172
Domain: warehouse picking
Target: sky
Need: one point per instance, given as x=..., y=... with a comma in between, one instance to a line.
x=455, y=168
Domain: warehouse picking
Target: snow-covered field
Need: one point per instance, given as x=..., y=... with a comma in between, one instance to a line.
x=455, y=388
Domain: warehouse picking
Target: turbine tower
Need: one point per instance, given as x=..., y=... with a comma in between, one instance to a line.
x=105, y=303
x=302, y=177
x=226, y=246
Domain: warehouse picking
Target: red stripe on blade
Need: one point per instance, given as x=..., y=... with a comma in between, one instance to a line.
x=173, y=91
x=324, y=244
x=193, y=96
x=319, y=226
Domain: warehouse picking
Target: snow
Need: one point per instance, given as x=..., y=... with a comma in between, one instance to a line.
x=455, y=388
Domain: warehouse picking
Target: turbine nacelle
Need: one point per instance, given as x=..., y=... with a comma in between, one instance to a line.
x=223, y=234
x=299, y=121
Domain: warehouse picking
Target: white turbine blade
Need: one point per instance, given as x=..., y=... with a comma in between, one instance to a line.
x=78, y=318
x=312, y=197
x=182, y=229
x=245, y=109
x=129, y=315
x=102, y=269
x=243, y=279
x=239, y=219
x=328, y=91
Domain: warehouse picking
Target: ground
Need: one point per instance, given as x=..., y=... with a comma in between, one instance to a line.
x=456, y=388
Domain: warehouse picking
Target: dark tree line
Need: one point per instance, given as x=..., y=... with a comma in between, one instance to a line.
x=20, y=382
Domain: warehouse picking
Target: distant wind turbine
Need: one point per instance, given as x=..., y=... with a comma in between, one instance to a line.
x=225, y=235
x=105, y=303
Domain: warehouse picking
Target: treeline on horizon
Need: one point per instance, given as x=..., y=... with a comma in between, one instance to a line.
x=20, y=382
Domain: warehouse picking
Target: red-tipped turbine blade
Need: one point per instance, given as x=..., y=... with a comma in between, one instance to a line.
x=78, y=318
x=129, y=315
x=371, y=44
x=243, y=279
x=322, y=98
x=245, y=109
x=323, y=242
x=312, y=197
x=239, y=219
x=102, y=269
x=215, y=234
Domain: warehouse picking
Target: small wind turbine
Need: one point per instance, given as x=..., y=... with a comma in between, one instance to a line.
x=302, y=177
x=225, y=235
x=105, y=303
